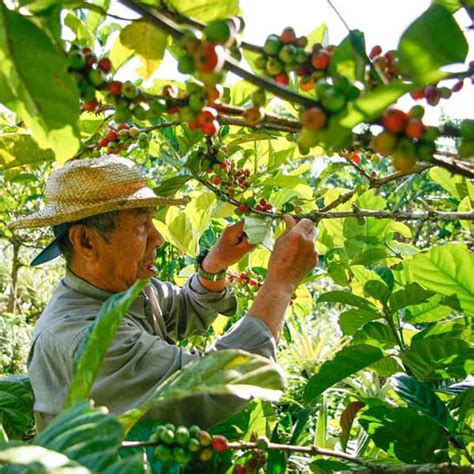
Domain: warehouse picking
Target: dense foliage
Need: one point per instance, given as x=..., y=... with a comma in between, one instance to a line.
x=377, y=348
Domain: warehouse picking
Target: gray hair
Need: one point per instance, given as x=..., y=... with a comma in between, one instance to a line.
x=103, y=224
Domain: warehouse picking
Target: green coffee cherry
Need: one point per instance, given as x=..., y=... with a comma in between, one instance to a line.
x=182, y=435
x=194, y=431
x=163, y=453
x=194, y=445
x=77, y=60
x=167, y=436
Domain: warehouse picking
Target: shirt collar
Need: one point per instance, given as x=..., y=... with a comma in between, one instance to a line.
x=84, y=287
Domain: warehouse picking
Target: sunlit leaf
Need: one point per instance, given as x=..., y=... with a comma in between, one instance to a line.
x=433, y=40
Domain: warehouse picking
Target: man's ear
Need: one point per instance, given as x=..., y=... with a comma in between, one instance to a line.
x=85, y=242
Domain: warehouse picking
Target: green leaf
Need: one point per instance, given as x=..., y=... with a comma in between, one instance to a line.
x=18, y=149
x=96, y=342
x=460, y=326
x=207, y=10
x=87, y=435
x=344, y=297
x=463, y=404
x=377, y=290
x=421, y=398
x=348, y=57
x=446, y=270
x=411, y=294
x=377, y=334
x=131, y=464
x=230, y=371
x=46, y=96
x=439, y=358
x=79, y=28
x=171, y=186
x=347, y=419
x=259, y=230
x=148, y=42
x=6, y=93
x=451, y=5
x=371, y=105
x=432, y=41
x=35, y=459
x=16, y=405
x=350, y=321
x=369, y=256
x=346, y=362
x=402, y=433
x=284, y=181
x=428, y=311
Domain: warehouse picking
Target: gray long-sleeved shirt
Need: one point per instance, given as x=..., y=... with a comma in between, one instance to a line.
x=142, y=354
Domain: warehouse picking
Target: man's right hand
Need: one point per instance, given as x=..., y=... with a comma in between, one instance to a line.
x=294, y=254
x=292, y=258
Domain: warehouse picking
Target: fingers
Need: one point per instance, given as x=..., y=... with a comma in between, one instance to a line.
x=308, y=227
x=289, y=221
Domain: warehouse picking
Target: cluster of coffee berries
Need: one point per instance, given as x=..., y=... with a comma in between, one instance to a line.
x=405, y=138
x=205, y=53
x=386, y=64
x=257, y=457
x=282, y=54
x=246, y=281
x=229, y=178
x=90, y=74
x=118, y=138
x=130, y=102
x=333, y=95
x=434, y=93
x=181, y=444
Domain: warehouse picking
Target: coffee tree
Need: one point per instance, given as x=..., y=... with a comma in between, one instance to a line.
x=377, y=347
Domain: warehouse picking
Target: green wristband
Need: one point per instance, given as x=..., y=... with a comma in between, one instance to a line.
x=207, y=275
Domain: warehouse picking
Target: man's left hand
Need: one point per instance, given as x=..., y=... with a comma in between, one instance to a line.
x=232, y=245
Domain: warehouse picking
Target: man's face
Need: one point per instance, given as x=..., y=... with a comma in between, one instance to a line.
x=130, y=254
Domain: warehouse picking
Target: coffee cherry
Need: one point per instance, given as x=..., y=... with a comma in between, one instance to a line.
x=355, y=158
x=253, y=115
x=90, y=105
x=114, y=87
x=186, y=64
x=163, y=453
x=306, y=83
x=287, y=53
x=243, y=208
x=204, y=438
x=394, y=120
x=240, y=469
x=219, y=443
x=218, y=31
x=375, y=51
x=320, y=60
x=197, y=100
x=206, y=116
x=415, y=128
x=105, y=64
x=206, y=454
x=129, y=90
x=418, y=94
x=259, y=98
x=432, y=95
x=274, y=66
x=77, y=60
x=313, y=119
x=209, y=58
x=193, y=445
x=272, y=45
x=282, y=79
x=458, y=86
x=384, y=143
x=102, y=143
x=288, y=35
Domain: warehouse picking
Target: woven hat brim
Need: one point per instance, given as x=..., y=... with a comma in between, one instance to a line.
x=50, y=216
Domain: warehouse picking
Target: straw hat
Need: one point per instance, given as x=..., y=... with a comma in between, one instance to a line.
x=84, y=188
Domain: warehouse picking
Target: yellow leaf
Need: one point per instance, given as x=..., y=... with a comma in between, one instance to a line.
x=148, y=42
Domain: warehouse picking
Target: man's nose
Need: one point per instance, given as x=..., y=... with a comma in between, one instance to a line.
x=155, y=236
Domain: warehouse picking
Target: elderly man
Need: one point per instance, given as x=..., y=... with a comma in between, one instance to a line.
x=101, y=210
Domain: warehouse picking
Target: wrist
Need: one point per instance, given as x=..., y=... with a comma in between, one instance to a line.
x=211, y=266
x=278, y=285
